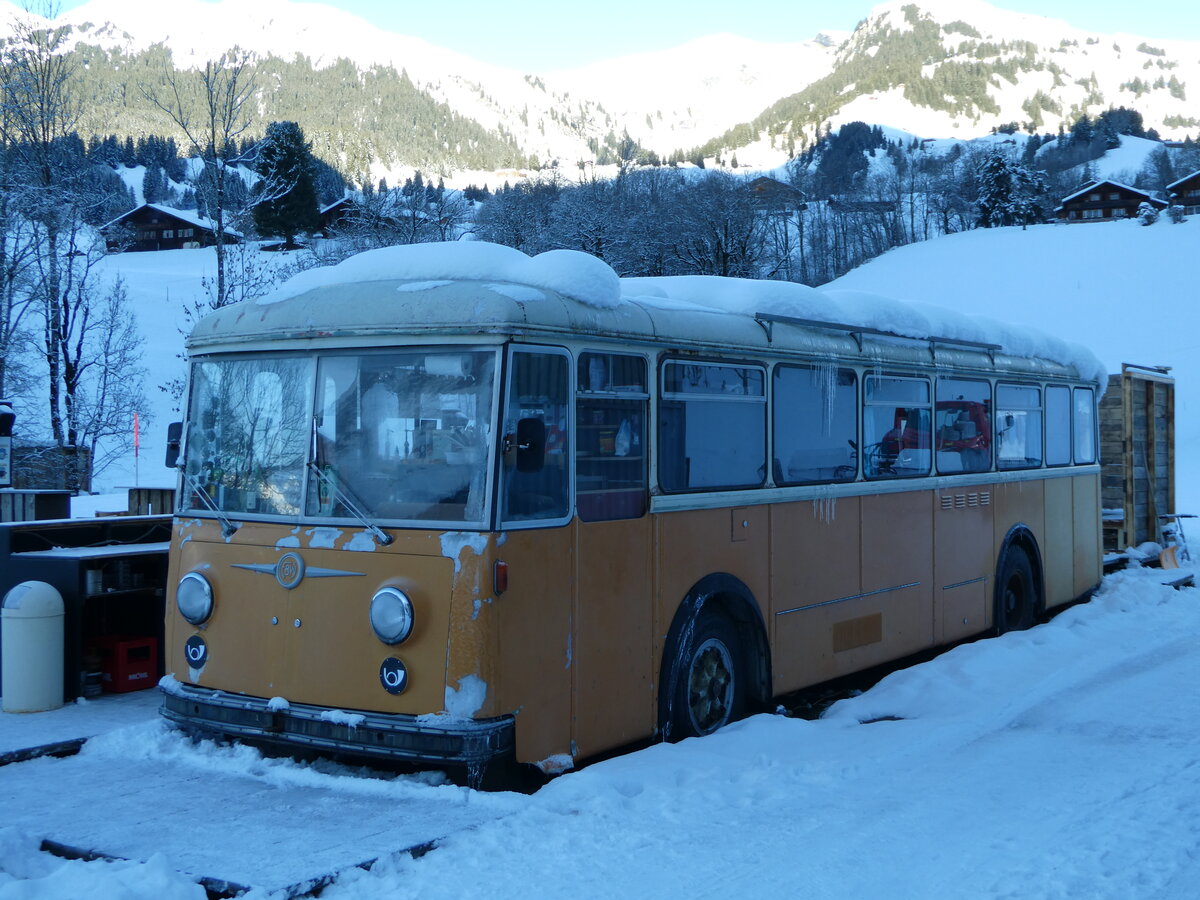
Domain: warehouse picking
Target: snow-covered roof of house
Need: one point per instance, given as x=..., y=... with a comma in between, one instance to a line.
x=184, y=215
x=1175, y=184
x=342, y=201
x=1092, y=185
x=473, y=288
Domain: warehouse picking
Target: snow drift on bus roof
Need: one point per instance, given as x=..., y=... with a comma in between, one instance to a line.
x=567, y=272
x=588, y=280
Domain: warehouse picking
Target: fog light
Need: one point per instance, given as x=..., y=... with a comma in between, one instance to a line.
x=194, y=597
x=391, y=615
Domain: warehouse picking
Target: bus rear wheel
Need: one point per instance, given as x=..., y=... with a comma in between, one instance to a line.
x=1016, y=593
x=709, y=689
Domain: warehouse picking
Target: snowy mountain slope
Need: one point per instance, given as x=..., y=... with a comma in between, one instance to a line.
x=944, y=69
x=681, y=96
x=975, y=66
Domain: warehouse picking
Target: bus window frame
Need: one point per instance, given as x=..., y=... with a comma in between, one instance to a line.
x=1040, y=409
x=185, y=491
x=865, y=404
x=773, y=406
x=662, y=394
x=505, y=380
x=486, y=522
x=1046, y=388
x=990, y=407
x=611, y=393
x=1076, y=389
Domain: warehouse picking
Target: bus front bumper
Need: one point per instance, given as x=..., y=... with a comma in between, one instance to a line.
x=403, y=738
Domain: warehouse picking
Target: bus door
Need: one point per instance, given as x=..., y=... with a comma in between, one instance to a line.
x=533, y=659
x=612, y=654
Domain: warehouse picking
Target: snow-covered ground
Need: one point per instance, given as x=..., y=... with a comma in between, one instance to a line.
x=1054, y=763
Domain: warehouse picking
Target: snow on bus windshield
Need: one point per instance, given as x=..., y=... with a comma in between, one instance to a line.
x=588, y=280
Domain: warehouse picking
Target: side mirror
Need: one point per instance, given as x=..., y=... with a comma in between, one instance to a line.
x=174, y=441
x=531, y=445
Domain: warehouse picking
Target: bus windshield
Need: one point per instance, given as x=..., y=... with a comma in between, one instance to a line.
x=391, y=435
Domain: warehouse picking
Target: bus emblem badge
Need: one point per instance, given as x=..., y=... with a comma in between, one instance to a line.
x=393, y=675
x=196, y=651
x=289, y=571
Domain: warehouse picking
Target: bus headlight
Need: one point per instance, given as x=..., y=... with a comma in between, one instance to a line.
x=391, y=615
x=194, y=597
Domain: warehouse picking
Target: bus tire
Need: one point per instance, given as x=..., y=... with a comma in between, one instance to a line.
x=1017, y=602
x=707, y=679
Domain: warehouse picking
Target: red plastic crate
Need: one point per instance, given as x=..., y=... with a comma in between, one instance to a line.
x=128, y=663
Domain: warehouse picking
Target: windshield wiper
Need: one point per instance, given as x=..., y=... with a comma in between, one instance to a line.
x=228, y=528
x=381, y=536
x=329, y=481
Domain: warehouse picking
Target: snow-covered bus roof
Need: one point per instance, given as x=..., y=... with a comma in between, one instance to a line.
x=472, y=287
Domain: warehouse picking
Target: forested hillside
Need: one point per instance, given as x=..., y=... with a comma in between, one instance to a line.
x=353, y=117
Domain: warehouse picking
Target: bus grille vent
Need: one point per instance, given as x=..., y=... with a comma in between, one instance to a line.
x=965, y=501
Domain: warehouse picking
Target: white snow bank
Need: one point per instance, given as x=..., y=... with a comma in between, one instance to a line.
x=567, y=272
x=913, y=319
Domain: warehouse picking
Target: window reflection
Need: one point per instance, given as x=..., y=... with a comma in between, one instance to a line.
x=248, y=433
x=403, y=435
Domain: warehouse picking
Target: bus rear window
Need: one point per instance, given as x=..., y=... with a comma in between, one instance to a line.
x=1085, y=426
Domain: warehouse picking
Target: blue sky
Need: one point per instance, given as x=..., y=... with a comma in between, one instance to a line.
x=540, y=35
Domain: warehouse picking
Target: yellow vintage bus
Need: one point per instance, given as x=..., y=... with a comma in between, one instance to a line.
x=449, y=503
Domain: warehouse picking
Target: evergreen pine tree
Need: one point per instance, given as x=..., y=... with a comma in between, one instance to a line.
x=1009, y=193
x=152, y=185
x=286, y=198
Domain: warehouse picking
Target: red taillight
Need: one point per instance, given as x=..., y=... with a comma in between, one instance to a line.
x=500, y=577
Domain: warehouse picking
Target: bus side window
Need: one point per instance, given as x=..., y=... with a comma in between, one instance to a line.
x=1085, y=425
x=610, y=421
x=1018, y=426
x=712, y=426
x=896, y=427
x=963, y=425
x=537, y=390
x=1058, y=426
x=815, y=416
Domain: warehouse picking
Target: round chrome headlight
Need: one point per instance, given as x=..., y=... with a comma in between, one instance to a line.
x=194, y=597
x=391, y=615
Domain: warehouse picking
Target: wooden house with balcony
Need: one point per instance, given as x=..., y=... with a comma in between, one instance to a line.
x=1186, y=193
x=152, y=226
x=1103, y=201
x=770, y=195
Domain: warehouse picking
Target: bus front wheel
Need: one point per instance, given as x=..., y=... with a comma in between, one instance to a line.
x=1016, y=593
x=709, y=689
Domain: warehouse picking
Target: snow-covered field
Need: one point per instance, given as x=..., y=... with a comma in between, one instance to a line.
x=1054, y=763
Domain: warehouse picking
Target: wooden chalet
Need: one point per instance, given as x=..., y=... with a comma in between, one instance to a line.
x=334, y=214
x=1186, y=193
x=155, y=227
x=1103, y=201
x=774, y=196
